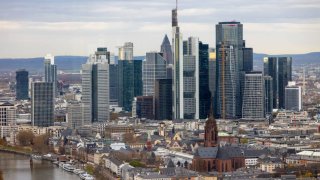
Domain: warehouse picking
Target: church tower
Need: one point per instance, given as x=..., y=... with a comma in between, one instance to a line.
x=211, y=131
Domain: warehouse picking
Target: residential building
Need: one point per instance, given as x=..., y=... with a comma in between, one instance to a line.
x=42, y=104
x=7, y=114
x=22, y=86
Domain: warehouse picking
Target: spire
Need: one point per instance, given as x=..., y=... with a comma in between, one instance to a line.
x=176, y=4
x=175, y=15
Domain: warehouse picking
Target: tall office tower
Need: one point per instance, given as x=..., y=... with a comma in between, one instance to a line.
x=227, y=83
x=129, y=77
x=126, y=51
x=247, y=59
x=154, y=67
x=229, y=49
x=284, y=76
x=113, y=84
x=144, y=107
x=268, y=94
x=74, y=115
x=190, y=82
x=204, y=91
x=95, y=89
x=50, y=72
x=42, y=104
x=7, y=114
x=166, y=50
x=253, y=98
x=212, y=75
x=163, y=99
x=177, y=54
x=270, y=68
x=293, y=97
x=112, y=59
x=22, y=87
x=280, y=69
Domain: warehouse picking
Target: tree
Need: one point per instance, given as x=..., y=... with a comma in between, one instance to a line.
x=25, y=138
x=244, y=141
x=136, y=163
x=129, y=138
x=61, y=150
x=3, y=141
x=41, y=143
x=89, y=168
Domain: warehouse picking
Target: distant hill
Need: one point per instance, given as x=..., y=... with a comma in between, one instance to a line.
x=73, y=63
x=64, y=63
x=298, y=59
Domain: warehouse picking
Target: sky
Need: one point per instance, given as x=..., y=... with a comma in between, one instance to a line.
x=33, y=28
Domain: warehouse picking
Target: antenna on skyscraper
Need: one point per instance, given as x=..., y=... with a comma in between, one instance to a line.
x=176, y=4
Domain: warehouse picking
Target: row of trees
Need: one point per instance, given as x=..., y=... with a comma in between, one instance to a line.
x=39, y=143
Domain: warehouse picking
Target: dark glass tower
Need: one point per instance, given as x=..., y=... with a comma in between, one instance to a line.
x=113, y=84
x=270, y=68
x=129, y=82
x=204, y=92
x=285, y=75
x=268, y=94
x=42, y=104
x=247, y=59
x=22, y=87
x=163, y=99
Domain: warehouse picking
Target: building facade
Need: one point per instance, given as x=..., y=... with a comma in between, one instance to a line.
x=74, y=115
x=95, y=88
x=22, y=86
x=268, y=94
x=42, y=104
x=253, y=99
x=7, y=114
x=204, y=90
x=153, y=68
x=163, y=99
x=144, y=107
x=50, y=73
x=293, y=98
x=113, y=84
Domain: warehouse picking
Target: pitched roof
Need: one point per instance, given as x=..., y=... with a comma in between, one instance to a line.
x=207, y=152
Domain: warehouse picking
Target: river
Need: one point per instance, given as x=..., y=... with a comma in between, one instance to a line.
x=17, y=167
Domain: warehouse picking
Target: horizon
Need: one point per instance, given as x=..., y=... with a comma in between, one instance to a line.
x=62, y=28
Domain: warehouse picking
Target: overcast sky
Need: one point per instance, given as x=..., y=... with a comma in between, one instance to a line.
x=33, y=28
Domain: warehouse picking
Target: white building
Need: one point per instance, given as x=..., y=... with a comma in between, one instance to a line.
x=293, y=97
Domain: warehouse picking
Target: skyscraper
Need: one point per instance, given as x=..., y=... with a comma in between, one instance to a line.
x=204, y=91
x=280, y=69
x=50, y=71
x=212, y=75
x=284, y=75
x=113, y=84
x=270, y=68
x=163, y=99
x=247, y=59
x=268, y=94
x=166, y=50
x=177, y=53
x=95, y=88
x=22, y=86
x=229, y=49
x=144, y=107
x=129, y=77
x=253, y=98
x=153, y=68
x=293, y=97
x=42, y=104
x=126, y=51
x=190, y=76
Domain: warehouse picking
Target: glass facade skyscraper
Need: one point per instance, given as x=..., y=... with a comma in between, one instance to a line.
x=42, y=104
x=153, y=68
x=163, y=99
x=22, y=85
x=204, y=91
x=50, y=73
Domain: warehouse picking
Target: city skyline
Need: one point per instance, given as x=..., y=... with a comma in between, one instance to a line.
x=78, y=28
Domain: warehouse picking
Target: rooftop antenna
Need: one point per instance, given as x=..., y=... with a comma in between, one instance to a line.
x=176, y=4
